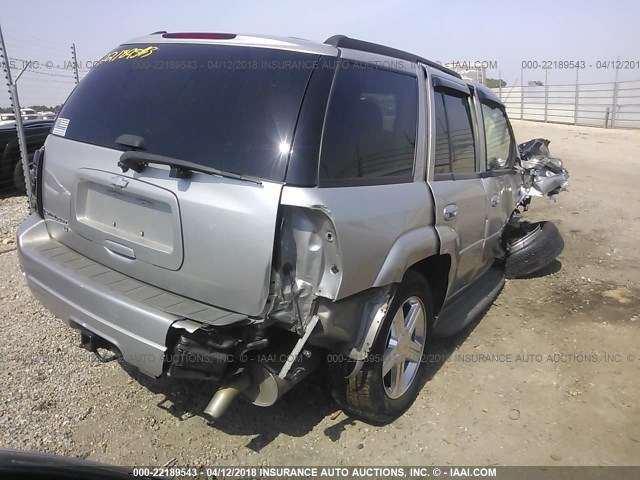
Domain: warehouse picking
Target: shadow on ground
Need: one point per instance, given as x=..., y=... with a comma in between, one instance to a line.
x=550, y=269
x=9, y=191
x=296, y=414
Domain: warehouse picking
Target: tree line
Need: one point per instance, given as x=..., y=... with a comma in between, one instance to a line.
x=37, y=108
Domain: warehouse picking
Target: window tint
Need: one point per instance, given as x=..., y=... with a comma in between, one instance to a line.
x=455, y=151
x=443, y=150
x=500, y=144
x=370, y=129
x=232, y=108
x=460, y=133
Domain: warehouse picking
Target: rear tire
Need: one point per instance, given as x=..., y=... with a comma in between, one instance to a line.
x=537, y=246
x=391, y=378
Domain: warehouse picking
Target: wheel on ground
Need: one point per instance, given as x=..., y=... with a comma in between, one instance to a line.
x=532, y=247
x=390, y=380
x=18, y=178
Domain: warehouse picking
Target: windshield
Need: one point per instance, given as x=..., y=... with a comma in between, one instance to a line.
x=227, y=107
x=8, y=117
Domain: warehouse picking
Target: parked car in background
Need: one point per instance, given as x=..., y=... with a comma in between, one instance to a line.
x=7, y=119
x=337, y=203
x=28, y=114
x=11, y=176
x=47, y=115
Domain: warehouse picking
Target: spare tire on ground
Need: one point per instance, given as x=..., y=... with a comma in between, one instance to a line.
x=532, y=247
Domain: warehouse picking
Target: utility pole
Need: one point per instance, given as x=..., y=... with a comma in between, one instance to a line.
x=521, y=93
x=577, y=97
x=614, y=108
x=546, y=93
x=15, y=104
x=76, y=77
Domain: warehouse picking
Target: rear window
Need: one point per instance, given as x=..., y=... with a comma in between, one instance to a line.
x=455, y=151
x=232, y=108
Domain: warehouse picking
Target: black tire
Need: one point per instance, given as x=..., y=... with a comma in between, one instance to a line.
x=365, y=396
x=18, y=178
x=536, y=247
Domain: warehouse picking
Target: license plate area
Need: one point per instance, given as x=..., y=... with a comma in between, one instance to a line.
x=131, y=219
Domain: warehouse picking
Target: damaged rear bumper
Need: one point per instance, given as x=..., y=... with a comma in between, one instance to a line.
x=133, y=316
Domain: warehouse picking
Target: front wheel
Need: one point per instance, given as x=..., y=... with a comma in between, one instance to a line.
x=392, y=376
x=531, y=248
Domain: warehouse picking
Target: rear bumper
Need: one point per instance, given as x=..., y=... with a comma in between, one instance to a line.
x=133, y=316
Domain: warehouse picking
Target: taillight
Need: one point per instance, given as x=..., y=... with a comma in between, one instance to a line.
x=36, y=181
x=204, y=36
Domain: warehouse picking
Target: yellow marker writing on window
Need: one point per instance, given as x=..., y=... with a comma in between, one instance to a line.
x=128, y=54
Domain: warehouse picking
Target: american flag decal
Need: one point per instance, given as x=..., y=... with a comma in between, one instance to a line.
x=60, y=127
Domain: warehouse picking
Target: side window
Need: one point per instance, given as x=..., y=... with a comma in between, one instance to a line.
x=443, y=149
x=461, y=133
x=500, y=143
x=370, y=130
x=455, y=148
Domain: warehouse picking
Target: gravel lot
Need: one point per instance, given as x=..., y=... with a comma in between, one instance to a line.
x=561, y=402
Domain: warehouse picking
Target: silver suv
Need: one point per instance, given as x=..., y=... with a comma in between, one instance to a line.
x=245, y=209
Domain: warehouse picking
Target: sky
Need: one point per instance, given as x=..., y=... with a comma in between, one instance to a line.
x=504, y=32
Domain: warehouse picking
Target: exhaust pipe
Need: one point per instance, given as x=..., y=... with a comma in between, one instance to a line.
x=267, y=386
x=261, y=384
x=222, y=399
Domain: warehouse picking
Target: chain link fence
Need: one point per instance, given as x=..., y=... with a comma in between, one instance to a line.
x=39, y=75
x=43, y=70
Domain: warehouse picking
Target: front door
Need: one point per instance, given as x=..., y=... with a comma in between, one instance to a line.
x=501, y=181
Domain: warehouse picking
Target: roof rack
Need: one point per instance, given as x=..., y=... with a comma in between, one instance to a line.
x=345, y=42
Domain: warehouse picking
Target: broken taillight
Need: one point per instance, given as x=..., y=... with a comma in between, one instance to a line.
x=37, y=178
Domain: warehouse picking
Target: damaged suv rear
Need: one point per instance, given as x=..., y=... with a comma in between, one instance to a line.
x=243, y=209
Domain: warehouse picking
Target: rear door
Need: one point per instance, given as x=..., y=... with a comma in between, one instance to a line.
x=500, y=180
x=206, y=237
x=457, y=187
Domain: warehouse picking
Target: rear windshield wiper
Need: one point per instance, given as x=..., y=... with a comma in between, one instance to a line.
x=138, y=161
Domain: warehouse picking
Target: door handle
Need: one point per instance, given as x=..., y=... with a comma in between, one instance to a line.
x=113, y=247
x=495, y=200
x=450, y=211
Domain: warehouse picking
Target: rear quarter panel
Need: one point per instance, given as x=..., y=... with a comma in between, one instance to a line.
x=381, y=229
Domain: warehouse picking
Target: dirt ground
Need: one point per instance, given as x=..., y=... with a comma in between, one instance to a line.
x=548, y=376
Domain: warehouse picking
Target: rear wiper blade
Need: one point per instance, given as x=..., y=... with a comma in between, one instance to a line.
x=138, y=161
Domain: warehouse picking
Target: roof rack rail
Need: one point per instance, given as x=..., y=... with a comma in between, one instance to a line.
x=345, y=42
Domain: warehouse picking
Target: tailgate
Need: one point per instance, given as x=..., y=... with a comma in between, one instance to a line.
x=208, y=238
